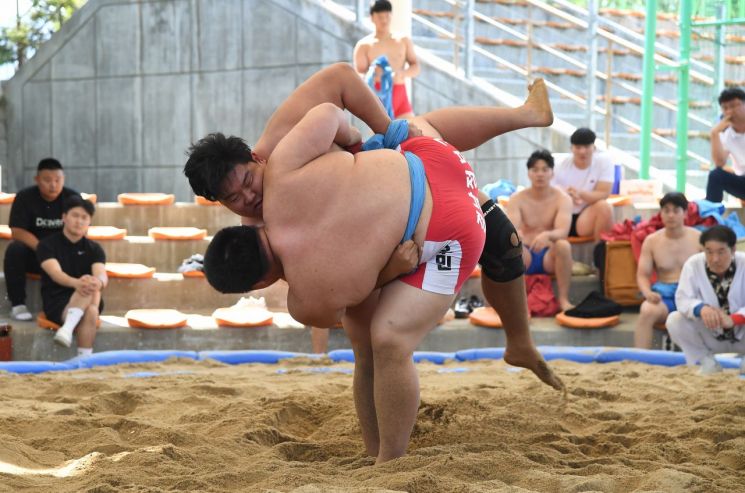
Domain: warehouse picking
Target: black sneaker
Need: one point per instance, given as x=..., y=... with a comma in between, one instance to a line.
x=462, y=308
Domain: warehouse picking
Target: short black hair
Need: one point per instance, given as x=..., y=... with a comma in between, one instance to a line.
x=731, y=93
x=541, y=155
x=582, y=137
x=211, y=159
x=235, y=260
x=48, y=163
x=675, y=198
x=721, y=233
x=77, y=201
x=380, y=6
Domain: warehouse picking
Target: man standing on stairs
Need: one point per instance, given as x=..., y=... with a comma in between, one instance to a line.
x=35, y=214
x=663, y=252
x=587, y=177
x=387, y=77
x=728, y=140
x=542, y=214
x=74, y=274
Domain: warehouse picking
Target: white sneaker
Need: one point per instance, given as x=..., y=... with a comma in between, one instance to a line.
x=709, y=366
x=20, y=312
x=63, y=338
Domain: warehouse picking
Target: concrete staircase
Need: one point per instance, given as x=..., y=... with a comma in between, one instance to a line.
x=624, y=64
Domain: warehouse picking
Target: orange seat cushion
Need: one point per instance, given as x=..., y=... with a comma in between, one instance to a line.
x=503, y=201
x=155, y=319
x=106, y=233
x=485, y=316
x=91, y=197
x=33, y=276
x=146, y=198
x=202, y=201
x=5, y=232
x=7, y=198
x=619, y=200
x=586, y=323
x=129, y=271
x=576, y=240
x=242, y=317
x=661, y=326
x=175, y=233
x=193, y=273
x=476, y=273
x=43, y=322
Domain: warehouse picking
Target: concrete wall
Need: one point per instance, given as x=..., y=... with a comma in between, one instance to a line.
x=123, y=88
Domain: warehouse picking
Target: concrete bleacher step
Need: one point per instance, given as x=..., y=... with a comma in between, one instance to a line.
x=32, y=343
x=164, y=255
x=161, y=291
x=138, y=219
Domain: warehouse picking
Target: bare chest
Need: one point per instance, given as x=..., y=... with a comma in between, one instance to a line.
x=393, y=49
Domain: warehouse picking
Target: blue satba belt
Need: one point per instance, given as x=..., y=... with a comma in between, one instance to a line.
x=418, y=190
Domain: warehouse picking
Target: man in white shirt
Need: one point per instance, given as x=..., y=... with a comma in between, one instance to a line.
x=587, y=177
x=711, y=302
x=728, y=140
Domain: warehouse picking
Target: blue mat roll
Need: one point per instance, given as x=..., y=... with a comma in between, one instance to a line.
x=250, y=356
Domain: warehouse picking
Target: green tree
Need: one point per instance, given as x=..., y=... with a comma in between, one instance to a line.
x=44, y=18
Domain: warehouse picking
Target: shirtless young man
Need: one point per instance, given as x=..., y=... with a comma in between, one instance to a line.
x=238, y=186
x=399, y=50
x=664, y=252
x=542, y=215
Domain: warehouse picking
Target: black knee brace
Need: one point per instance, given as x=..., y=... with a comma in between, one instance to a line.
x=502, y=258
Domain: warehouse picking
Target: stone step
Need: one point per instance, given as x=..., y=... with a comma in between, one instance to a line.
x=138, y=219
x=164, y=255
x=32, y=343
x=164, y=290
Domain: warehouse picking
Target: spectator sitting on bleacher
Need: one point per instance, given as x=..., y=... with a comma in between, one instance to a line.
x=711, y=302
x=542, y=214
x=36, y=213
x=587, y=176
x=728, y=139
x=74, y=274
x=664, y=252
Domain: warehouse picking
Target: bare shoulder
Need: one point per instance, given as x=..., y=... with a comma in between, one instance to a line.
x=653, y=238
x=401, y=38
x=561, y=195
x=693, y=233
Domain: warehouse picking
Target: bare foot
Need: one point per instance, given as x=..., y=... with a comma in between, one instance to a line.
x=565, y=305
x=538, y=105
x=531, y=359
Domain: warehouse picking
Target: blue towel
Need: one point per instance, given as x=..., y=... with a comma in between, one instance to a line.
x=396, y=133
x=385, y=94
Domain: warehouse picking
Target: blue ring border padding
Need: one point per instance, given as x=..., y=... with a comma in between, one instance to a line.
x=591, y=354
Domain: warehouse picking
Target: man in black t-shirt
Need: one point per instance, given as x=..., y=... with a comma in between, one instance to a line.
x=36, y=213
x=73, y=276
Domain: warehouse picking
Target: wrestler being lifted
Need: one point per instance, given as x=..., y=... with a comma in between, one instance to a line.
x=238, y=183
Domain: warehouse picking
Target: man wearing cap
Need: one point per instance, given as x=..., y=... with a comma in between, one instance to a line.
x=587, y=176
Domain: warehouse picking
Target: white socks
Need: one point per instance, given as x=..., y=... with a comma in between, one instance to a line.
x=85, y=351
x=71, y=320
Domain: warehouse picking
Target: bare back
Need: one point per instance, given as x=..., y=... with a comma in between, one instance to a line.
x=335, y=222
x=669, y=254
x=395, y=48
x=533, y=214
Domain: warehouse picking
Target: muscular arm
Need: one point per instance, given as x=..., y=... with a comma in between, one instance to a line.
x=99, y=272
x=338, y=84
x=601, y=192
x=54, y=270
x=361, y=63
x=645, y=268
x=25, y=237
x=413, y=69
x=563, y=220
x=514, y=213
x=309, y=139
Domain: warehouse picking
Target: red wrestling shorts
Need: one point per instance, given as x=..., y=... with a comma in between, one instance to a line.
x=400, y=101
x=457, y=231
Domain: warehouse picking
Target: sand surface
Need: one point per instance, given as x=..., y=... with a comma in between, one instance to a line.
x=482, y=427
